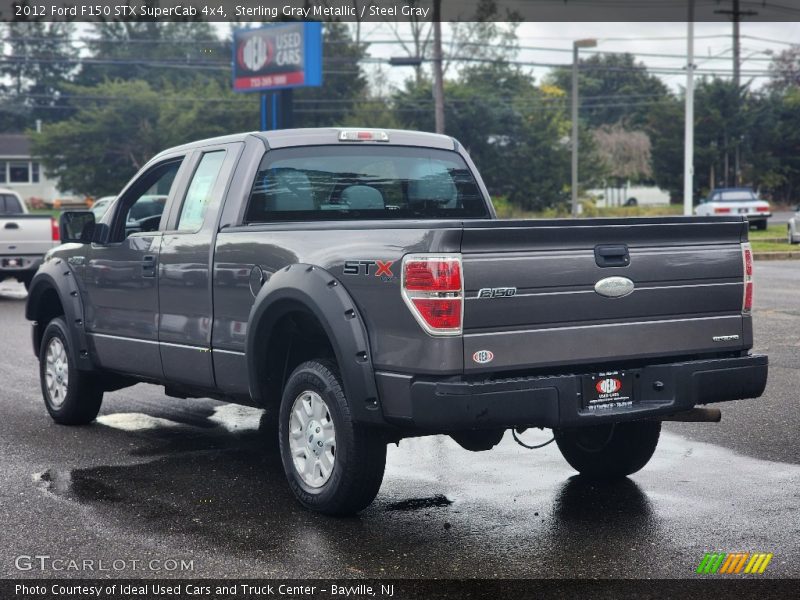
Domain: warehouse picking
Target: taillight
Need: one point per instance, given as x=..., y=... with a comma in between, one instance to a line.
x=762, y=208
x=433, y=288
x=747, y=260
x=722, y=210
x=54, y=233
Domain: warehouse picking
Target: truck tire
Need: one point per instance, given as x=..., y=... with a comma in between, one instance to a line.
x=72, y=397
x=333, y=465
x=609, y=451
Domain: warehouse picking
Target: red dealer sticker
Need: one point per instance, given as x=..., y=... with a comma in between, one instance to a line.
x=605, y=391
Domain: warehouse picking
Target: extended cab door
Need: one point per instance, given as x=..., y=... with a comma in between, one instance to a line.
x=121, y=300
x=185, y=260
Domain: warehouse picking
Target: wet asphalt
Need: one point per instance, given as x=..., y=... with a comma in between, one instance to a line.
x=157, y=478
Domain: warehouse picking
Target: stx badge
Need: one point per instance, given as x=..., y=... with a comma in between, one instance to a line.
x=378, y=268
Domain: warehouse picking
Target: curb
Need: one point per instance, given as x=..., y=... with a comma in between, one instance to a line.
x=771, y=240
x=788, y=255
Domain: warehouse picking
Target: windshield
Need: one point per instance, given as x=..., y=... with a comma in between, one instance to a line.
x=733, y=196
x=363, y=182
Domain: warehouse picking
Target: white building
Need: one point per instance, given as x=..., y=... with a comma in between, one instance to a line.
x=21, y=173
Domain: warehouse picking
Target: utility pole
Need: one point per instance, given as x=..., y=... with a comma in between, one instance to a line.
x=736, y=17
x=688, y=130
x=576, y=45
x=736, y=14
x=438, y=75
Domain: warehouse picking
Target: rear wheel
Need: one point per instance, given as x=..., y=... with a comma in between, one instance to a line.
x=333, y=465
x=72, y=397
x=761, y=225
x=609, y=451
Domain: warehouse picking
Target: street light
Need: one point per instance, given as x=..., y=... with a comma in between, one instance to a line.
x=587, y=43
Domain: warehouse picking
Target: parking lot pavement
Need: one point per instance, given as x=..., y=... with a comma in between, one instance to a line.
x=160, y=478
x=781, y=217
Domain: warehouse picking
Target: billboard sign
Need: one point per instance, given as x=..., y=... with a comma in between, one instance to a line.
x=277, y=57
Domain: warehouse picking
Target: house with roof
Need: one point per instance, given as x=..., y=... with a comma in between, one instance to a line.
x=20, y=172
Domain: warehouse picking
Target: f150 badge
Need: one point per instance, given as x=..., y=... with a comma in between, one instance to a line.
x=614, y=287
x=498, y=292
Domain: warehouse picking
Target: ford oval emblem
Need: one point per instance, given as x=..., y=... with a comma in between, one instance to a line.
x=483, y=356
x=614, y=287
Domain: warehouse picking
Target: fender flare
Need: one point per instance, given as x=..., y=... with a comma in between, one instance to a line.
x=314, y=289
x=57, y=274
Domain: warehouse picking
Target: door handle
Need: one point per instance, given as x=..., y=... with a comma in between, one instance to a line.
x=612, y=256
x=11, y=226
x=149, y=265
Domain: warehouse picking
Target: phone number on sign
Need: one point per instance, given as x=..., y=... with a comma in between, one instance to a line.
x=117, y=10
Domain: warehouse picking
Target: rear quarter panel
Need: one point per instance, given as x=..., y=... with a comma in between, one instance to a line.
x=396, y=339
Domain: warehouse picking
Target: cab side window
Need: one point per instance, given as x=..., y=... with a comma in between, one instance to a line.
x=198, y=196
x=143, y=205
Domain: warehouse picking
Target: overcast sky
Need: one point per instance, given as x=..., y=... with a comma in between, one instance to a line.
x=713, y=45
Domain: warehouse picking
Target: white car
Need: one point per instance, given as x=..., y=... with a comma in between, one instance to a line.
x=736, y=201
x=794, y=227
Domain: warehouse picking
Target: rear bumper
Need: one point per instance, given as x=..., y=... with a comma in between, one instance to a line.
x=556, y=401
x=758, y=216
x=25, y=264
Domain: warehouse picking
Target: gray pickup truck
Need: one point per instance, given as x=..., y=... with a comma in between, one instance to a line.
x=358, y=286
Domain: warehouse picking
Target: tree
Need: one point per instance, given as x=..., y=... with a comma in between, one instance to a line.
x=664, y=126
x=489, y=35
x=119, y=125
x=516, y=133
x=624, y=153
x=721, y=124
x=39, y=61
x=159, y=53
x=612, y=88
x=344, y=83
x=785, y=69
x=774, y=159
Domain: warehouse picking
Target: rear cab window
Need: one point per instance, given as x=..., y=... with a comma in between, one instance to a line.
x=10, y=205
x=323, y=183
x=198, y=196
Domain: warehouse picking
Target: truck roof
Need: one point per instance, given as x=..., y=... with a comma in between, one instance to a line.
x=317, y=136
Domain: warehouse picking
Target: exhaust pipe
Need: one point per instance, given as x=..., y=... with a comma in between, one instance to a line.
x=695, y=415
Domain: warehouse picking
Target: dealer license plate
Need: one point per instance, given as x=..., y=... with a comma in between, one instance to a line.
x=605, y=391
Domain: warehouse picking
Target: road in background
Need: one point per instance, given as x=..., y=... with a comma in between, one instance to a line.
x=159, y=478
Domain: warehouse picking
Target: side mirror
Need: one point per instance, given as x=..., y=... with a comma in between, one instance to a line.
x=76, y=226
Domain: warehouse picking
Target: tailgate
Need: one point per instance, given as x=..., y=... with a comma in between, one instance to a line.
x=686, y=298
x=25, y=235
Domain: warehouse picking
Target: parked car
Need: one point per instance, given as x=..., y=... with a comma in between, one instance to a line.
x=794, y=227
x=24, y=238
x=101, y=205
x=736, y=201
x=358, y=286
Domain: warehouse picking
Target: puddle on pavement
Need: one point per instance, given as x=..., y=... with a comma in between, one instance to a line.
x=436, y=501
x=225, y=487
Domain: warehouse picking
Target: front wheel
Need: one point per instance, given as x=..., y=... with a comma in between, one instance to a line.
x=333, y=465
x=609, y=451
x=72, y=397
